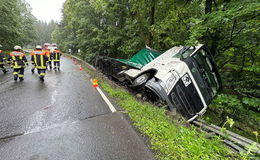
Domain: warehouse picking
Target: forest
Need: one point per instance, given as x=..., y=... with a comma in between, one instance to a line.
x=17, y=24
x=119, y=28
x=19, y=27
x=230, y=28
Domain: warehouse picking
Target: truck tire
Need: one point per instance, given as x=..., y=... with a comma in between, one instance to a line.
x=141, y=80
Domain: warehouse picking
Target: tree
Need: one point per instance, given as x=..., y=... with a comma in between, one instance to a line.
x=44, y=32
x=16, y=23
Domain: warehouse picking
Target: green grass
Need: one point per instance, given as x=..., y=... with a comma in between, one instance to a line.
x=169, y=139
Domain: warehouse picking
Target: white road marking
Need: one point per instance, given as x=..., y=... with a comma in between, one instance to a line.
x=110, y=105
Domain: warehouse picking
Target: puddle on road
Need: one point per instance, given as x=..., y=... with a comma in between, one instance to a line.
x=39, y=122
x=36, y=122
x=49, y=117
x=53, y=97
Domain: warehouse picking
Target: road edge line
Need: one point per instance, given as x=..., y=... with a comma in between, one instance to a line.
x=110, y=105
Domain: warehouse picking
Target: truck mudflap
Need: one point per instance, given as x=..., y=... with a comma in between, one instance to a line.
x=185, y=100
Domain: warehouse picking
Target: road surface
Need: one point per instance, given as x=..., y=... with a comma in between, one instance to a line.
x=64, y=118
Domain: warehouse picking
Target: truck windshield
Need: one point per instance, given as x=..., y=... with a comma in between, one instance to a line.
x=205, y=69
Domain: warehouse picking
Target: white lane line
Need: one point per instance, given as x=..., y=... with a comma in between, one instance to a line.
x=110, y=105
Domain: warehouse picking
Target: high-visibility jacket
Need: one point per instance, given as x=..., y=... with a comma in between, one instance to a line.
x=56, y=55
x=3, y=59
x=18, y=59
x=48, y=54
x=39, y=58
x=32, y=53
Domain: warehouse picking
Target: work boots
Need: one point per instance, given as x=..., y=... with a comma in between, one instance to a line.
x=15, y=77
x=41, y=78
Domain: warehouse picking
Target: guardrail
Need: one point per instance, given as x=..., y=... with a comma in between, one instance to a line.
x=234, y=141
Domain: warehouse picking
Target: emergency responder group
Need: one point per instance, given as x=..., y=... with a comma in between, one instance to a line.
x=40, y=59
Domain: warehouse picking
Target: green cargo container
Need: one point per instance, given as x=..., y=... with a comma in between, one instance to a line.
x=141, y=58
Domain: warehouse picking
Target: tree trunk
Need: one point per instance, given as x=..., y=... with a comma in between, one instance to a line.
x=208, y=6
x=152, y=14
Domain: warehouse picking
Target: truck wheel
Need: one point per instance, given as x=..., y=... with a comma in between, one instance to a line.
x=140, y=80
x=100, y=66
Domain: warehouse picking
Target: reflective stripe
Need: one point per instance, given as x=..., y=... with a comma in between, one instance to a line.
x=41, y=67
x=16, y=53
x=15, y=63
x=42, y=74
x=38, y=52
x=20, y=75
x=35, y=60
x=41, y=57
x=15, y=73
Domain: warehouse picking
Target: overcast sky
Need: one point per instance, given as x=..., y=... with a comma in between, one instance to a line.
x=46, y=10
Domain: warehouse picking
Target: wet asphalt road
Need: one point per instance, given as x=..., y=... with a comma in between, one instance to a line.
x=63, y=118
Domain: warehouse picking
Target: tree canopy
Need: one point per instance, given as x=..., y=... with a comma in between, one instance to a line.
x=17, y=24
x=230, y=28
x=44, y=32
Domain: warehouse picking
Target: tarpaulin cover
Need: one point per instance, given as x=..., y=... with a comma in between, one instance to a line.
x=141, y=58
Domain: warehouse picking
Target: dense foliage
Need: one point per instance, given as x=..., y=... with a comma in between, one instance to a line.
x=231, y=29
x=17, y=24
x=44, y=32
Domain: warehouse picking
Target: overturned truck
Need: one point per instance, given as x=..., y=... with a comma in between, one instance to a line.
x=184, y=77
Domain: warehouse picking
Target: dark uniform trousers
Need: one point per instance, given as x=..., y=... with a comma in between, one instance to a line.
x=56, y=59
x=2, y=62
x=18, y=72
x=2, y=68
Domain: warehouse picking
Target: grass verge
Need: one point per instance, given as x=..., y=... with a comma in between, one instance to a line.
x=172, y=140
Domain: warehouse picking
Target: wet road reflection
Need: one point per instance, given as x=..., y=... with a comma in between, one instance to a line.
x=62, y=118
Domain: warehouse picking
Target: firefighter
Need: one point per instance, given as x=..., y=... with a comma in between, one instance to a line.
x=33, y=64
x=2, y=59
x=18, y=61
x=49, y=55
x=40, y=59
x=56, y=58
